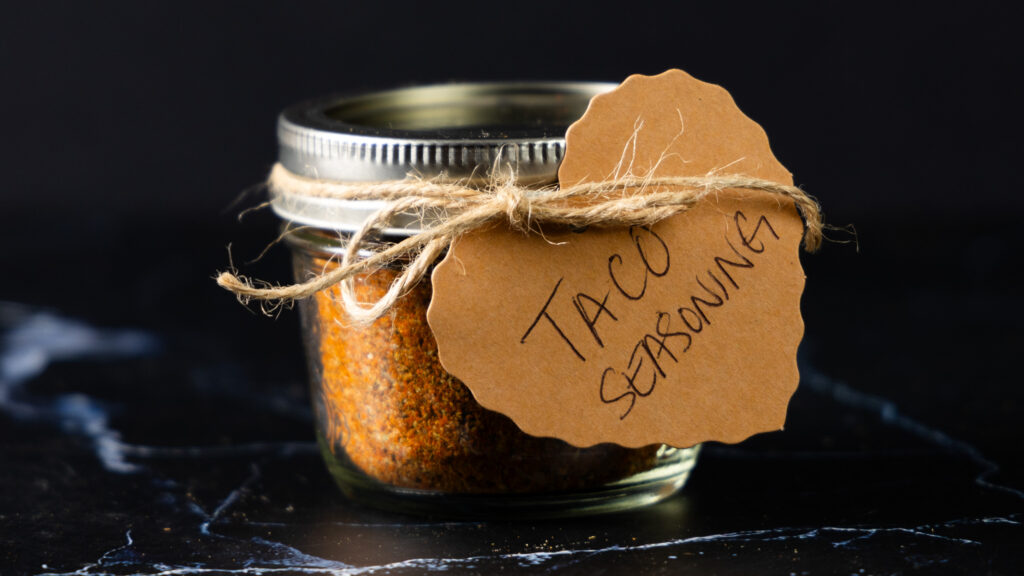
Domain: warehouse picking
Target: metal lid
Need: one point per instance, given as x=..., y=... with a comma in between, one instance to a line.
x=458, y=130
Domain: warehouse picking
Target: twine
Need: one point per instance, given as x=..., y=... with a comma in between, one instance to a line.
x=458, y=209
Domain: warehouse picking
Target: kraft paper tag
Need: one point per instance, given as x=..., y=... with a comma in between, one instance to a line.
x=678, y=333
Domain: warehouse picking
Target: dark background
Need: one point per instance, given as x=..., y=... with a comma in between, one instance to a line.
x=166, y=109
x=130, y=128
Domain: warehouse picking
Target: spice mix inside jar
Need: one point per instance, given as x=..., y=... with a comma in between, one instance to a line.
x=396, y=430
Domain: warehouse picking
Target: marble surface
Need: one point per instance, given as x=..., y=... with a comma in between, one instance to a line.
x=181, y=443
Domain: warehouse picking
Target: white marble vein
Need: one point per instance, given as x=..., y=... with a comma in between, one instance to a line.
x=836, y=536
x=254, y=475
x=32, y=340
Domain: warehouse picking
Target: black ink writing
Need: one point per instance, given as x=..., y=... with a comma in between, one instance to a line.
x=646, y=354
x=671, y=335
x=697, y=323
x=652, y=352
x=638, y=234
x=748, y=240
x=589, y=320
x=663, y=328
x=630, y=394
x=721, y=262
x=544, y=314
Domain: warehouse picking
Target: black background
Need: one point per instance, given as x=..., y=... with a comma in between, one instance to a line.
x=167, y=109
x=130, y=128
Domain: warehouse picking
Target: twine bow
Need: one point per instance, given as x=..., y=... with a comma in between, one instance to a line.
x=458, y=209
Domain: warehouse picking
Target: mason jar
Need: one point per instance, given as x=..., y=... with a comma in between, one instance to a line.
x=395, y=429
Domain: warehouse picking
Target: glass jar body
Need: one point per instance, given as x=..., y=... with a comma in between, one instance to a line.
x=397, y=431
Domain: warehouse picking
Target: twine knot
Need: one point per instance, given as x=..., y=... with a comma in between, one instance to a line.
x=515, y=203
x=625, y=201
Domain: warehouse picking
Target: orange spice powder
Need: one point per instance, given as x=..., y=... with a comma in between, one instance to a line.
x=396, y=416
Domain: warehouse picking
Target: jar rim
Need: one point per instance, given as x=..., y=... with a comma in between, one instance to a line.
x=459, y=130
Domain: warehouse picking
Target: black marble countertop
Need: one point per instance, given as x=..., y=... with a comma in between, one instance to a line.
x=150, y=425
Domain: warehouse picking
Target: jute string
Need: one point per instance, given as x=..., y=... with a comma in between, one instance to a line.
x=458, y=208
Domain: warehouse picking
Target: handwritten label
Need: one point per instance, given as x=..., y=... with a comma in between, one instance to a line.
x=678, y=328
x=678, y=333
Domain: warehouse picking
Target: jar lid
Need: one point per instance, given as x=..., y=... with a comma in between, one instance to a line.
x=457, y=130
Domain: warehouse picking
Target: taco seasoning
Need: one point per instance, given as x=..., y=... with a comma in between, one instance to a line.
x=395, y=429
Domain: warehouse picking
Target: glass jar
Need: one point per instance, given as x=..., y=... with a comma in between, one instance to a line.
x=395, y=429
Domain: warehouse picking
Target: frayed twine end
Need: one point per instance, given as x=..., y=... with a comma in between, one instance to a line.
x=625, y=201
